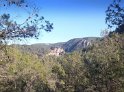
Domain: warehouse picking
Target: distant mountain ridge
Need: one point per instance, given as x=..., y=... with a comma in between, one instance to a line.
x=79, y=43
x=74, y=44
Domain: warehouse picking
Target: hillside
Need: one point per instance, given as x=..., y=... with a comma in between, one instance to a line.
x=79, y=43
x=69, y=46
x=86, y=71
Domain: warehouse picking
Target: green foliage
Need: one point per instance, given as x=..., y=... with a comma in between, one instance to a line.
x=114, y=14
x=70, y=72
x=105, y=65
x=22, y=73
x=31, y=27
x=99, y=68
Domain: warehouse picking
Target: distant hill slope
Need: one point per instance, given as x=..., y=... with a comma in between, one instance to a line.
x=78, y=43
x=69, y=46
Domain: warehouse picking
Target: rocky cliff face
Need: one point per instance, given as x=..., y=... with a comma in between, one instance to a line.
x=56, y=51
x=78, y=43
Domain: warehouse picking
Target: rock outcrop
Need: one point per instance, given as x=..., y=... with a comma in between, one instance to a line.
x=56, y=51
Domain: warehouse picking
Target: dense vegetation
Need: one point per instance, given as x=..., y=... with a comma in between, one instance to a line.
x=99, y=68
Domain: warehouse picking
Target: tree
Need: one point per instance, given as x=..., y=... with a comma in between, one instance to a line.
x=21, y=72
x=24, y=72
x=115, y=14
x=30, y=28
x=105, y=64
x=70, y=73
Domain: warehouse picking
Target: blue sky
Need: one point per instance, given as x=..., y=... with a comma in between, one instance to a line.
x=71, y=18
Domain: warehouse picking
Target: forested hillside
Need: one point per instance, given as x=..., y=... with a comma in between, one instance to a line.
x=96, y=69
x=90, y=64
x=42, y=49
